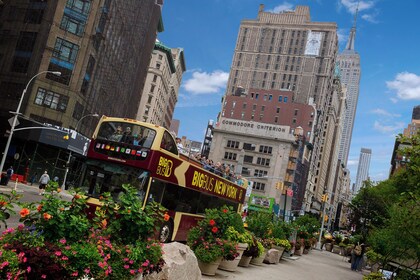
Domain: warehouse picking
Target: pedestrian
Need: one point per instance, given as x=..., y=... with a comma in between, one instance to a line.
x=9, y=174
x=43, y=182
x=33, y=178
x=357, y=256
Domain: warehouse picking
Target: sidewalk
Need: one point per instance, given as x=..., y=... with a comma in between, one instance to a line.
x=317, y=265
x=22, y=188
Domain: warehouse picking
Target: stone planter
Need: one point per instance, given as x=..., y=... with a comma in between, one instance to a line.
x=259, y=260
x=232, y=265
x=328, y=246
x=299, y=252
x=280, y=249
x=244, y=261
x=209, y=268
x=336, y=249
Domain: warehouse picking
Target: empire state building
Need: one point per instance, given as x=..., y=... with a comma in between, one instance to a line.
x=349, y=64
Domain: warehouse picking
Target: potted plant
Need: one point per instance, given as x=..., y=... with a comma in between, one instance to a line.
x=208, y=240
x=251, y=250
x=242, y=240
x=281, y=245
x=258, y=258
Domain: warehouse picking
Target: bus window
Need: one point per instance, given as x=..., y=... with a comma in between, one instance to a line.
x=128, y=133
x=108, y=177
x=168, y=143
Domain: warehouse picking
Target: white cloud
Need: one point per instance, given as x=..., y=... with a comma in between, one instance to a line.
x=393, y=100
x=383, y=112
x=407, y=86
x=342, y=35
x=351, y=5
x=286, y=6
x=352, y=162
x=205, y=83
x=370, y=17
x=388, y=128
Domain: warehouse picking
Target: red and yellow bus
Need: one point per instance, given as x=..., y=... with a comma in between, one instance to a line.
x=126, y=151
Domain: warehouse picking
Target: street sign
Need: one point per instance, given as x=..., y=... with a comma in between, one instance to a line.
x=11, y=121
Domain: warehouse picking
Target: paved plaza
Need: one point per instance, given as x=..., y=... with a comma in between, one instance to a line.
x=317, y=265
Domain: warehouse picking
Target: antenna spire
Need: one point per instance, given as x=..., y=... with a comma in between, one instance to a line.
x=352, y=36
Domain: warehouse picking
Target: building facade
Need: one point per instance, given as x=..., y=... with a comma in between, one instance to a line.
x=362, y=169
x=263, y=136
x=91, y=43
x=160, y=93
x=101, y=48
x=349, y=63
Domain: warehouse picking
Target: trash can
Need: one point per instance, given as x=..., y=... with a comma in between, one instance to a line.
x=3, y=180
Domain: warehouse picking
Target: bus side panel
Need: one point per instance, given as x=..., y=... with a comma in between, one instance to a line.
x=182, y=225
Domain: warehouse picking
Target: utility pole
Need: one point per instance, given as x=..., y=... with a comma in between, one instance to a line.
x=325, y=200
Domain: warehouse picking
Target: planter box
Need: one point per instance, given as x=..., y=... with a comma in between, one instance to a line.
x=232, y=265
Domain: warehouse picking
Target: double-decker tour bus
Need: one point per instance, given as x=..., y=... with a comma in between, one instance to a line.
x=144, y=155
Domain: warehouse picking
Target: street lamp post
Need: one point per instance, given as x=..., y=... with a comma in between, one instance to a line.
x=69, y=158
x=6, y=149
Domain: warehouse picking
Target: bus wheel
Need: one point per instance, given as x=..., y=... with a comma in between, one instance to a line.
x=165, y=233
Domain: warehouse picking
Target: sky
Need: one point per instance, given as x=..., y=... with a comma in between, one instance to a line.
x=387, y=39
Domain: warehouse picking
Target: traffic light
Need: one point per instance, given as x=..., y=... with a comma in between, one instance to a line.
x=66, y=137
x=326, y=218
x=324, y=198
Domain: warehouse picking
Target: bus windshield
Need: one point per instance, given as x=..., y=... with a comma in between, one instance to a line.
x=129, y=133
x=109, y=177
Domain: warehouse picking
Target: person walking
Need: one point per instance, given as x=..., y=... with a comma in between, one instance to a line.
x=43, y=181
x=33, y=179
x=357, y=256
x=9, y=174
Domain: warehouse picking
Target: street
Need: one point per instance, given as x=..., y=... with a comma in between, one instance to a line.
x=30, y=194
x=317, y=265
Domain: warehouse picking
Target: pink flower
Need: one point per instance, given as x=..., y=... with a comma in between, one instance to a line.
x=132, y=272
x=28, y=269
x=126, y=259
x=87, y=270
x=75, y=273
x=64, y=258
x=126, y=266
x=58, y=253
x=43, y=276
x=63, y=241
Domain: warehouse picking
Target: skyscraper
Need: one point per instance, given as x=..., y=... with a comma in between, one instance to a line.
x=349, y=63
x=279, y=54
x=362, y=169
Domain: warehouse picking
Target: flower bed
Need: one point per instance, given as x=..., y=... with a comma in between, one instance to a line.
x=58, y=241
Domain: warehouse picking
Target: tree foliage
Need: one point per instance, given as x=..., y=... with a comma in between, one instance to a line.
x=387, y=214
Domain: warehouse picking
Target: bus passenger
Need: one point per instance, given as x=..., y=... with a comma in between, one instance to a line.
x=127, y=138
x=117, y=135
x=138, y=140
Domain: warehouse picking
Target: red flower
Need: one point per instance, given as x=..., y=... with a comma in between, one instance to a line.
x=24, y=212
x=212, y=222
x=214, y=229
x=166, y=217
x=225, y=210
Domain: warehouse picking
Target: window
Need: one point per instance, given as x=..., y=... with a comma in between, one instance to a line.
x=285, y=99
x=230, y=156
x=280, y=98
x=258, y=186
x=65, y=50
x=254, y=107
x=154, y=78
x=51, y=100
x=73, y=25
x=296, y=112
x=270, y=97
x=249, y=147
x=256, y=96
x=278, y=110
x=23, y=52
x=276, y=119
x=78, y=111
x=79, y=6
x=248, y=159
x=232, y=144
x=263, y=161
x=158, y=65
x=34, y=16
x=244, y=106
x=262, y=108
x=168, y=143
x=265, y=149
x=260, y=173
